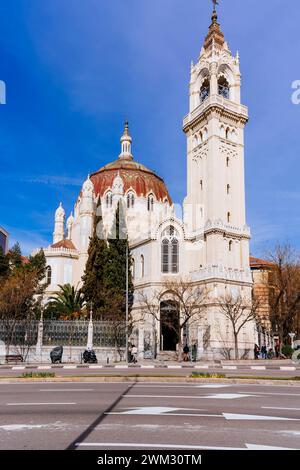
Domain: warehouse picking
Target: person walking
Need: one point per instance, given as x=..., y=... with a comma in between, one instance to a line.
x=134, y=353
x=186, y=351
x=264, y=352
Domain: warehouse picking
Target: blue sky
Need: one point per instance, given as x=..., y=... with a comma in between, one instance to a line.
x=75, y=69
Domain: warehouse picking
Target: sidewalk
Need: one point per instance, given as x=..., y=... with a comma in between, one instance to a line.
x=283, y=365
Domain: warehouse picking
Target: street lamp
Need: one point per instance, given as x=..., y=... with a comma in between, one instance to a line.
x=126, y=318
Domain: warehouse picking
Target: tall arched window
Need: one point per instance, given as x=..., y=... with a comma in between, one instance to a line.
x=170, y=251
x=204, y=90
x=142, y=266
x=230, y=245
x=133, y=268
x=130, y=200
x=223, y=87
x=108, y=200
x=228, y=217
x=150, y=203
x=48, y=275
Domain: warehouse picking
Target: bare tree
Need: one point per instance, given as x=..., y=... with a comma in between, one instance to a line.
x=189, y=300
x=239, y=311
x=284, y=291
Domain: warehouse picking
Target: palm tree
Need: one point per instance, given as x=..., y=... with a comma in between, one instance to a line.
x=69, y=301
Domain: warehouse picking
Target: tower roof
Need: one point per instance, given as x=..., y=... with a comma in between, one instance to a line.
x=215, y=37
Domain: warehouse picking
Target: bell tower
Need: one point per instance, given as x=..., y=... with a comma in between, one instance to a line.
x=214, y=209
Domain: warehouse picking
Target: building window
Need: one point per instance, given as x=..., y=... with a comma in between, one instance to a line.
x=230, y=245
x=108, y=200
x=142, y=266
x=130, y=200
x=150, y=203
x=133, y=268
x=201, y=185
x=170, y=251
x=223, y=87
x=204, y=90
x=228, y=217
x=227, y=161
x=48, y=275
x=228, y=189
x=227, y=133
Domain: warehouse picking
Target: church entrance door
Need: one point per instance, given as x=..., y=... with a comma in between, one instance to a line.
x=169, y=325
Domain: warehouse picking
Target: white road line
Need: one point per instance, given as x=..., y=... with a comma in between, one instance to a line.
x=95, y=367
x=69, y=367
x=212, y=386
x=174, y=367
x=260, y=447
x=279, y=408
x=45, y=367
x=287, y=368
x=196, y=415
x=121, y=367
x=152, y=446
x=148, y=367
x=229, y=367
x=233, y=416
x=220, y=396
x=37, y=404
x=66, y=390
x=18, y=368
x=258, y=367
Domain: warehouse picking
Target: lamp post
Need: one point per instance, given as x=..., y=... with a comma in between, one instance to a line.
x=126, y=318
x=90, y=330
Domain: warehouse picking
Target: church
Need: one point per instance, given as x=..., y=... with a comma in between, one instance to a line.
x=209, y=246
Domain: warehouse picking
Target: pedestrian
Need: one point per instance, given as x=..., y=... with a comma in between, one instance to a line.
x=263, y=352
x=186, y=351
x=277, y=350
x=134, y=352
x=256, y=351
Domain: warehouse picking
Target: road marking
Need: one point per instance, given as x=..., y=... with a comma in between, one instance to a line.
x=18, y=368
x=212, y=386
x=95, y=367
x=152, y=446
x=232, y=416
x=20, y=427
x=219, y=396
x=229, y=367
x=44, y=367
x=69, y=367
x=37, y=404
x=260, y=447
x=258, y=367
x=121, y=367
x=66, y=390
x=150, y=410
x=148, y=367
x=278, y=408
x=287, y=368
x=174, y=367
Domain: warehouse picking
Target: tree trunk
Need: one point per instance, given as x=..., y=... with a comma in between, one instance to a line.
x=236, y=347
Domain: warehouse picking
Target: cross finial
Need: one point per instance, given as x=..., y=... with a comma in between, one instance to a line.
x=215, y=2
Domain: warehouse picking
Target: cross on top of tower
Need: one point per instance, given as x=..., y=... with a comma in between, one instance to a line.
x=215, y=2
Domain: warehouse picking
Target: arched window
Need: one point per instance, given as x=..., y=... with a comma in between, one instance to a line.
x=108, y=200
x=170, y=251
x=150, y=203
x=223, y=87
x=227, y=161
x=48, y=275
x=142, y=266
x=204, y=90
x=228, y=188
x=133, y=268
x=130, y=200
x=228, y=217
x=230, y=245
x=227, y=133
x=195, y=142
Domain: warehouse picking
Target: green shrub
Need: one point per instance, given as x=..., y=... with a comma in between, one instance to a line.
x=37, y=375
x=287, y=350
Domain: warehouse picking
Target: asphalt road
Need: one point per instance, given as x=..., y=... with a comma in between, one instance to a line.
x=148, y=416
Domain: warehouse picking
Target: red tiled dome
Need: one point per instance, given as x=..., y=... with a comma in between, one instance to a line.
x=134, y=175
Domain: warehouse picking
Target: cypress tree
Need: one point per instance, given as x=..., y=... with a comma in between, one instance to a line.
x=93, y=279
x=115, y=268
x=15, y=256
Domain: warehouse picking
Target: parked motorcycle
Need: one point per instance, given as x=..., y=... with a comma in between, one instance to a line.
x=56, y=355
x=89, y=356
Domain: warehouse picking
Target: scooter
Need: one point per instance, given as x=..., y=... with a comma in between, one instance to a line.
x=56, y=354
x=89, y=356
